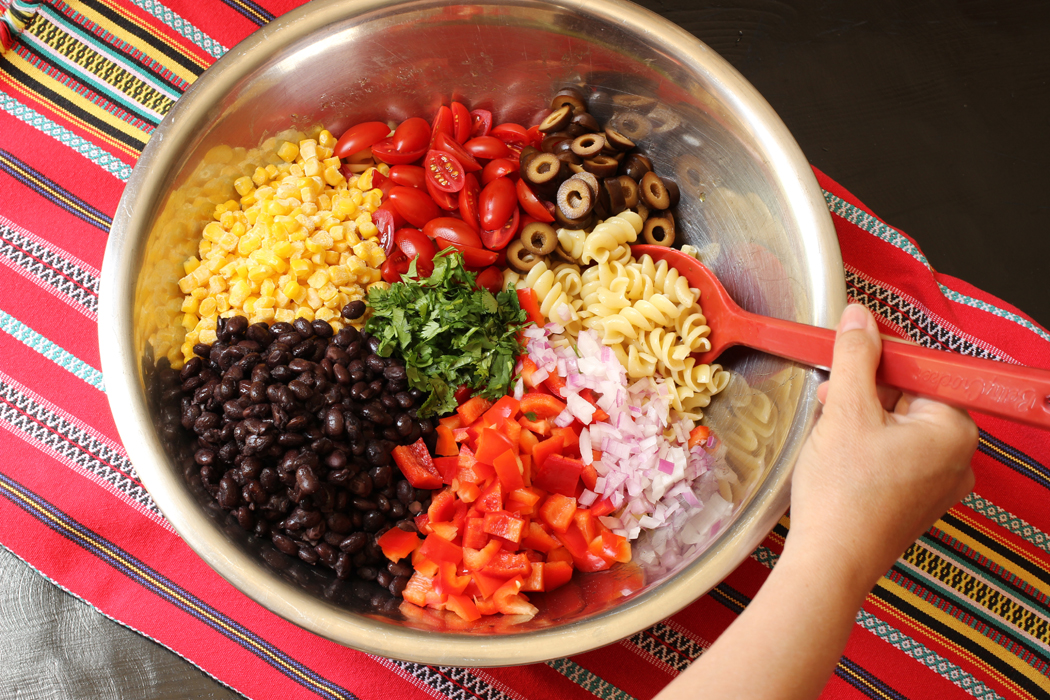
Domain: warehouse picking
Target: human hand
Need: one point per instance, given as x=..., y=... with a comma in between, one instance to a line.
x=870, y=480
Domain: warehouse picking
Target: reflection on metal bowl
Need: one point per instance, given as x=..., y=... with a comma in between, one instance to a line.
x=749, y=202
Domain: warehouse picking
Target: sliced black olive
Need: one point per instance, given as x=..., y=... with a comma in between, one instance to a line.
x=576, y=168
x=550, y=141
x=653, y=191
x=568, y=157
x=562, y=147
x=542, y=168
x=590, y=179
x=659, y=230
x=636, y=165
x=630, y=190
x=617, y=140
x=539, y=238
x=636, y=103
x=672, y=191
x=570, y=96
x=614, y=191
x=633, y=126
x=575, y=198
x=584, y=224
x=527, y=154
x=643, y=211
x=588, y=145
x=557, y=120
x=601, y=166
x=587, y=122
x=519, y=258
x=601, y=204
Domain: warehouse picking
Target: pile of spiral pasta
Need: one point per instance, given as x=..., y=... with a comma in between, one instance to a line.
x=645, y=311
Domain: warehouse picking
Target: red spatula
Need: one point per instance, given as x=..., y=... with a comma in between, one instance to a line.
x=1013, y=392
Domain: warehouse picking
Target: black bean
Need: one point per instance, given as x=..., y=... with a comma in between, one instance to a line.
x=227, y=495
x=206, y=421
x=384, y=578
x=373, y=344
x=372, y=521
x=285, y=544
x=299, y=365
x=333, y=425
x=303, y=327
x=353, y=310
x=398, y=585
x=201, y=350
x=322, y=328
x=354, y=543
x=308, y=555
x=307, y=481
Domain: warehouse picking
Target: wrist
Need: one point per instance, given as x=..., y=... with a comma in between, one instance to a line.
x=834, y=568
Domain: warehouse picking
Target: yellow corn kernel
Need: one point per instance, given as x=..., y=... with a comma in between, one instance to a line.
x=207, y=307
x=325, y=138
x=189, y=321
x=249, y=305
x=323, y=239
x=331, y=163
x=260, y=177
x=300, y=296
x=228, y=241
x=318, y=279
x=291, y=289
x=207, y=336
x=327, y=292
x=205, y=248
x=308, y=149
x=243, y=185
x=222, y=303
x=259, y=272
x=338, y=275
x=333, y=177
x=306, y=312
x=267, y=288
x=268, y=258
x=366, y=229
x=380, y=284
x=242, y=270
x=314, y=299
x=284, y=315
x=288, y=151
x=190, y=265
x=295, y=170
x=213, y=231
x=262, y=315
x=373, y=274
x=331, y=257
x=312, y=167
x=239, y=292
x=265, y=303
x=301, y=268
x=189, y=305
x=216, y=284
x=325, y=314
x=199, y=293
x=383, y=168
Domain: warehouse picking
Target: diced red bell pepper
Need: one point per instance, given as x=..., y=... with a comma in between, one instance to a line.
x=423, y=565
x=446, y=442
x=589, y=476
x=507, y=564
x=471, y=409
x=555, y=384
x=491, y=444
x=464, y=606
x=474, y=533
x=603, y=506
x=505, y=525
x=438, y=550
x=557, y=511
x=463, y=391
x=448, y=582
x=477, y=559
x=442, y=506
x=534, y=582
x=415, y=463
x=486, y=606
x=526, y=441
x=512, y=430
x=539, y=427
x=558, y=474
x=508, y=472
x=470, y=469
x=397, y=544
x=527, y=496
x=509, y=600
x=539, y=539
x=487, y=583
x=491, y=498
x=451, y=422
x=699, y=435
x=446, y=531
x=417, y=589
x=544, y=449
x=447, y=467
x=559, y=553
x=530, y=304
x=540, y=405
x=528, y=368
x=589, y=397
x=423, y=523
x=586, y=523
x=611, y=547
x=582, y=558
x=468, y=492
x=556, y=574
x=505, y=407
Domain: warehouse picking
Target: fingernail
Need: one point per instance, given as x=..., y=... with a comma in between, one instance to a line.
x=853, y=318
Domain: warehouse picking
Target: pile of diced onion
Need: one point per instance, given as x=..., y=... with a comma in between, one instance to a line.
x=647, y=471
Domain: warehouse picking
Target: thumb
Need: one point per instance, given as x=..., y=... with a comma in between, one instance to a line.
x=857, y=351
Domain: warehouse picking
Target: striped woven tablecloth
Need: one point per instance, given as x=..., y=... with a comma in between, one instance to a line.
x=82, y=86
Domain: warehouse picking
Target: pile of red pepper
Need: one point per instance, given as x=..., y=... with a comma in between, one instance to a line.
x=453, y=182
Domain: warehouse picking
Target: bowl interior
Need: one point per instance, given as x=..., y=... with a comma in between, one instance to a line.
x=749, y=203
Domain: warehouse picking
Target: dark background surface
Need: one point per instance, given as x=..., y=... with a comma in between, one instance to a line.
x=934, y=114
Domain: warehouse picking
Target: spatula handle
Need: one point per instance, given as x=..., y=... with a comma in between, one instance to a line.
x=1013, y=392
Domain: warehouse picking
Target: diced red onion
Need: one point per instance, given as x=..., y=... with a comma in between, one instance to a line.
x=666, y=467
x=519, y=389
x=587, y=498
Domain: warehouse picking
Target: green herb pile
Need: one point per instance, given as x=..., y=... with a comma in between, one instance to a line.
x=448, y=332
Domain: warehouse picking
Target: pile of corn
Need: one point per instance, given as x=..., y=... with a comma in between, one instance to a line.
x=300, y=242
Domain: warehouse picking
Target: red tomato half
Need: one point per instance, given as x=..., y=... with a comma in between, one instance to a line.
x=452, y=230
x=443, y=142
x=498, y=239
x=531, y=203
x=446, y=200
x=444, y=171
x=407, y=175
x=468, y=202
x=461, y=122
x=359, y=137
x=385, y=151
x=487, y=147
x=511, y=133
x=496, y=202
x=442, y=124
x=480, y=122
x=491, y=279
x=386, y=220
x=416, y=206
x=415, y=245
x=473, y=258
x=411, y=135
x=499, y=167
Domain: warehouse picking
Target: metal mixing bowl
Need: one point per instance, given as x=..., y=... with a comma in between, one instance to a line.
x=749, y=202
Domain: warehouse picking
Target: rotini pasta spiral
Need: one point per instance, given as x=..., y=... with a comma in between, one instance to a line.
x=613, y=233
x=692, y=328
x=571, y=242
x=555, y=304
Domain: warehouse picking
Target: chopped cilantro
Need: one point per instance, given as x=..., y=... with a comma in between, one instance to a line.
x=529, y=415
x=448, y=332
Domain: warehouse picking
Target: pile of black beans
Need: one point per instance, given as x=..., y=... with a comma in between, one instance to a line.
x=294, y=428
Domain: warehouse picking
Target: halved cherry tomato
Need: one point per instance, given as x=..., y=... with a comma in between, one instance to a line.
x=499, y=167
x=394, y=266
x=407, y=175
x=416, y=206
x=359, y=137
x=491, y=279
x=511, y=133
x=442, y=124
x=468, y=202
x=497, y=201
x=383, y=183
x=448, y=201
x=473, y=258
x=444, y=170
x=531, y=203
x=411, y=135
x=453, y=230
x=498, y=239
x=480, y=122
x=461, y=122
x=446, y=143
x=415, y=245
x=535, y=136
x=487, y=147
x=385, y=151
x=387, y=221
